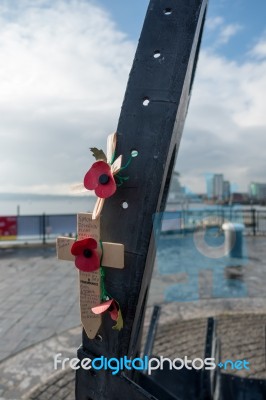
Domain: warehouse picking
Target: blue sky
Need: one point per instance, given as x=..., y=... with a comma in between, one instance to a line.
x=249, y=15
x=61, y=92
x=251, y=18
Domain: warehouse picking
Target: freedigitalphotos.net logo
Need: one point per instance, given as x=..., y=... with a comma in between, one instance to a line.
x=146, y=364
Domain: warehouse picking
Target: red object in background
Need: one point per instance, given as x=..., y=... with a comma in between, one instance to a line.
x=8, y=227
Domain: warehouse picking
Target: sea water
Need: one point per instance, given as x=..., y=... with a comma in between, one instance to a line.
x=30, y=204
x=33, y=204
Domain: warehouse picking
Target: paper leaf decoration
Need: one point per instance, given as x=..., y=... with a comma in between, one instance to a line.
x=119, y=322
x=98, y=154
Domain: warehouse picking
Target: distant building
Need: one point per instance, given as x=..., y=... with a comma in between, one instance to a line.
x=217, y=188
x=176, y=191
x=218, y=180
x=257, y=192
x=226, y=191
x=209, y=186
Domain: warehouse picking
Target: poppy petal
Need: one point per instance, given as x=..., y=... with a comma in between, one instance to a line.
x=114, y=312
x=91, y=243
x=88, y=264
x=107, y=190
x=76, y=248
x=101, y=308
x=80, y=245
x=91, y=179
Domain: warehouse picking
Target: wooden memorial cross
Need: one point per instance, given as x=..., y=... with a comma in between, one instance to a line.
x=151, y=122
x=90, y=282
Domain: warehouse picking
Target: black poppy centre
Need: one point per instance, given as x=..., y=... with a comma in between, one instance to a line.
x=104, y=179
x=87, y=253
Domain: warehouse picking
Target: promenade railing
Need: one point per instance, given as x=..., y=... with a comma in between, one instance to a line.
x=45, y=228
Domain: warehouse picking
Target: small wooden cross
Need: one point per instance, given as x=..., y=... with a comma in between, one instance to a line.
x=90, y=282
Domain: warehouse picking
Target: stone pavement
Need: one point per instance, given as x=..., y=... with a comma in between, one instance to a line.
x=30, y=374
x=243, y=337
x=38, y=297
x=39, y=306
x=39, y=294
x=60, y=386
x=35, y=365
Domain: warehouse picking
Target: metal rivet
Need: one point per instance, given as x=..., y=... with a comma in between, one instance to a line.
x=146, y=101
x=134, y=153
x=99, y=338
x=124, y=205
x=167, y=11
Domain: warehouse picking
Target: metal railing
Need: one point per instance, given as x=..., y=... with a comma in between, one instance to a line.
x=45, y=228
x=187, y=220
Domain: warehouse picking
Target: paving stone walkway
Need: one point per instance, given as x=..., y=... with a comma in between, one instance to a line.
x=60, y=387
x=33, y=366
x=39, y=308
x=39, y=294
x=242, y=337
x=38, y=297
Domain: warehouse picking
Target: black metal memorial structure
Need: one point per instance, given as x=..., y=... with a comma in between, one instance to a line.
x=151, y=123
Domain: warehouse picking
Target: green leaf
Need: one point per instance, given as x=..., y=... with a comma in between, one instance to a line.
x=119, y=323
x=98, y=154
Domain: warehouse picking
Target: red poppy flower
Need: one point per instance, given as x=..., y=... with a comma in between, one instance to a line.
x=100, y=178
x=87, y=257
x=114, y=310
x=110, y=305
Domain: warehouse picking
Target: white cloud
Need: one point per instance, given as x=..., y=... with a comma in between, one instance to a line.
x=220, y=32
x=226, y=126
x=63, y=72
x=212, y=23
x=227, y=32
x=259, y=51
